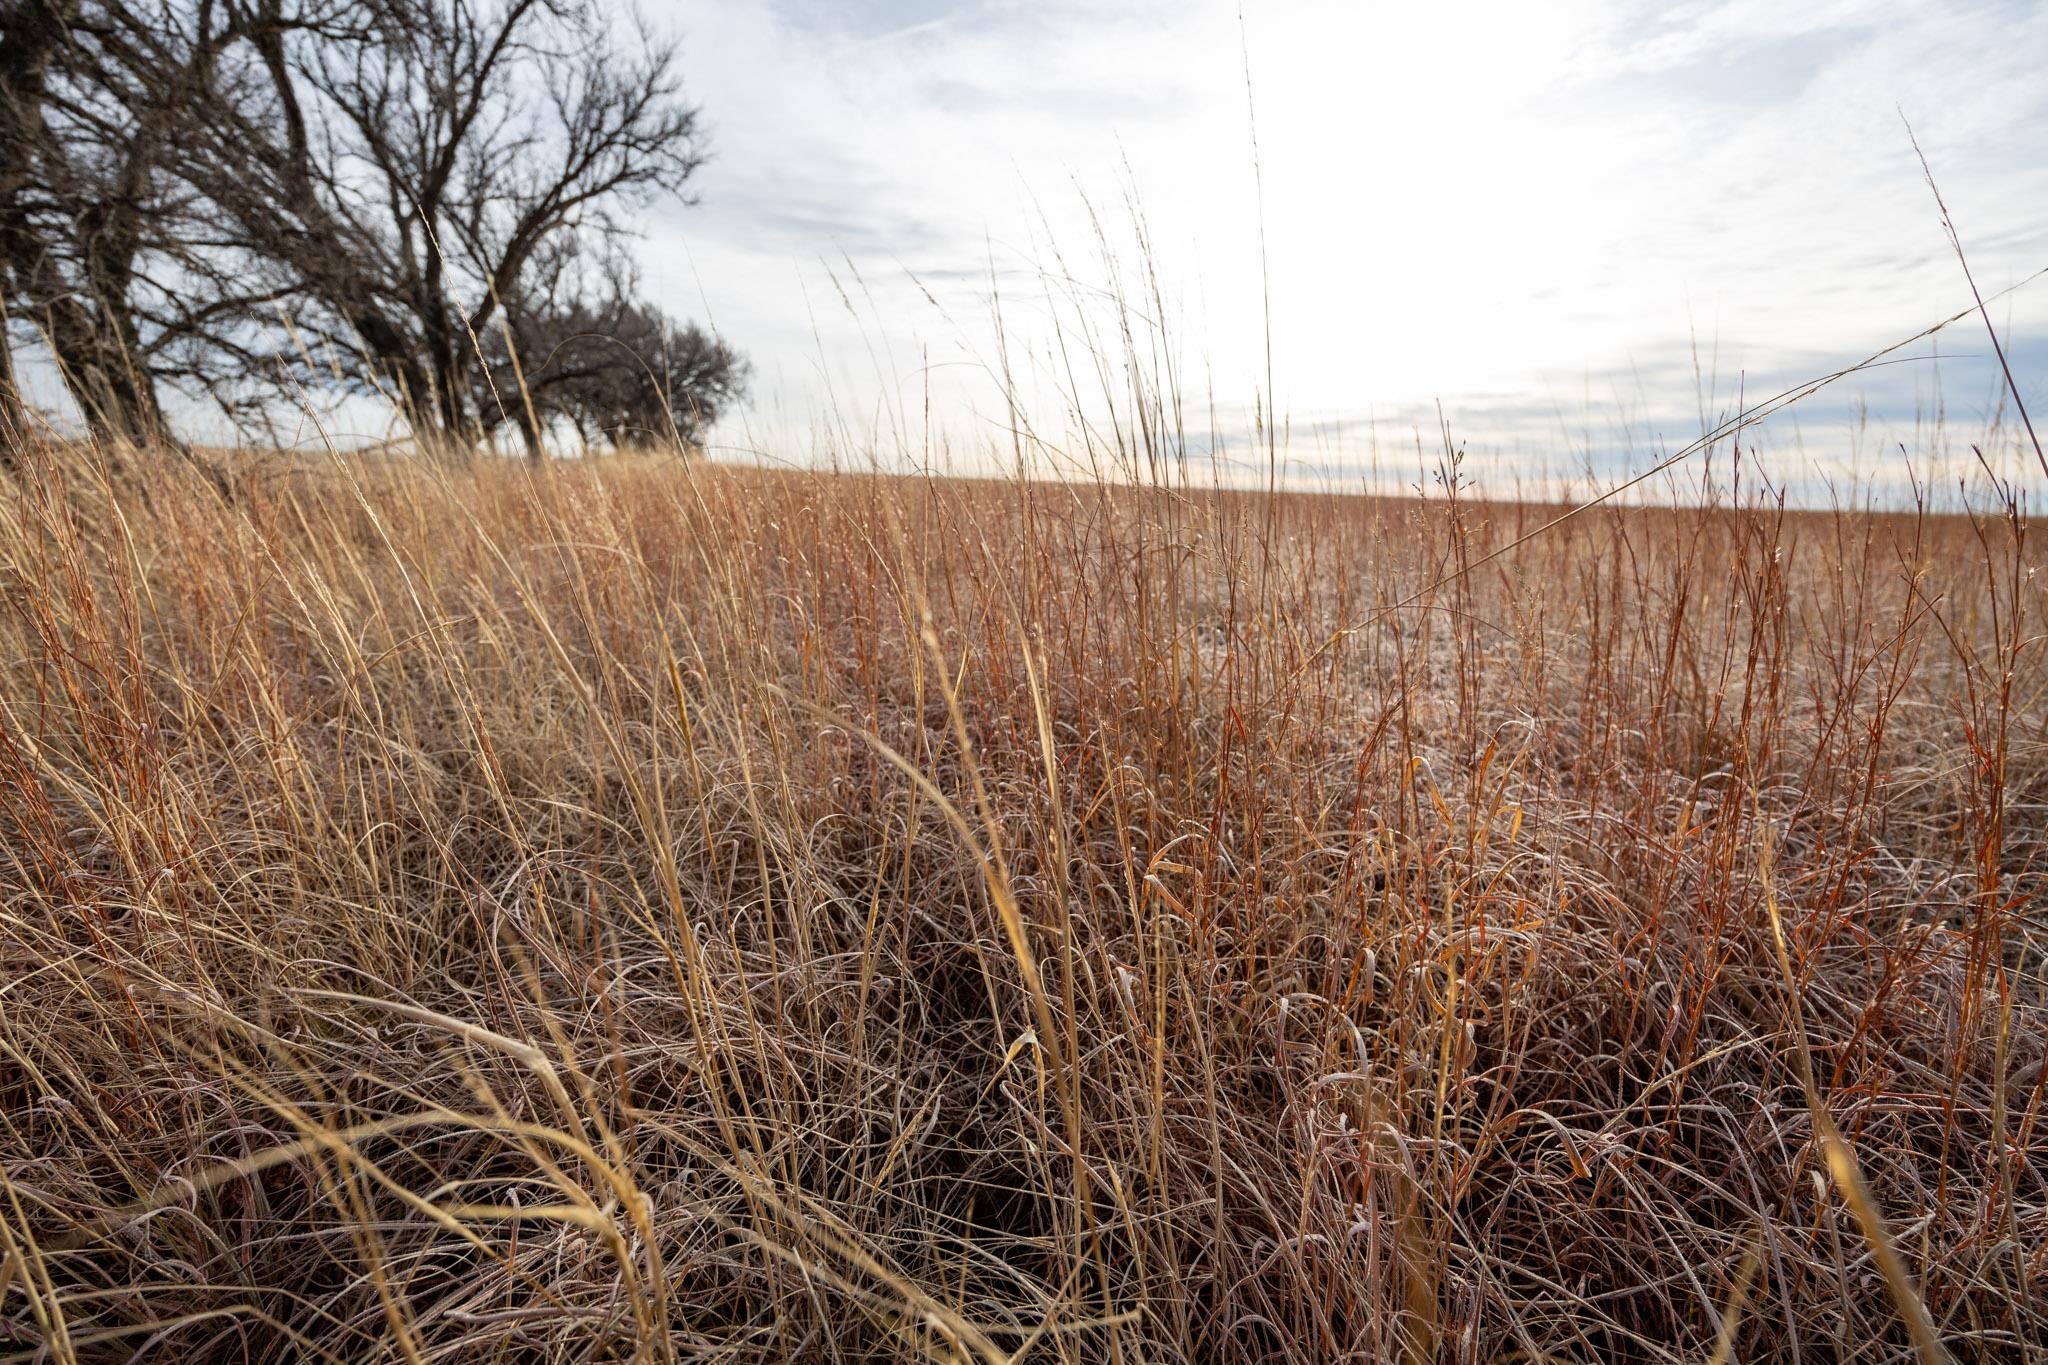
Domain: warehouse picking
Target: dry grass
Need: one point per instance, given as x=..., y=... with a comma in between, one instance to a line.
x=637, y=911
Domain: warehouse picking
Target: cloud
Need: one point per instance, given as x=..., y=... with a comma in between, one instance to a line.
x=1478, y=207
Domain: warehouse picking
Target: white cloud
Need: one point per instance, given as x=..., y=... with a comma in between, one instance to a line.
x=1490, y=206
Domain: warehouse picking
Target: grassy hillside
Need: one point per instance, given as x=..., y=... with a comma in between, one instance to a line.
x=630, y=910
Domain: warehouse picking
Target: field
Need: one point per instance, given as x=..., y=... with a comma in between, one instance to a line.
x=637, y=909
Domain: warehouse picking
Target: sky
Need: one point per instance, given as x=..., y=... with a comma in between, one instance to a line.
x=1565, y=232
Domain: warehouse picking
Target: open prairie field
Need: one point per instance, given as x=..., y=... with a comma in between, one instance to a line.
x=640, y=910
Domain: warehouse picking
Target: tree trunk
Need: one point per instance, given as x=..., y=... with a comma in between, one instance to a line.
x=29, y=36
x=112, y=233
x=114, y=395
x=450, y=412
x=96, y=342
x=13, y=412
x=392, y=353
x=529, y=431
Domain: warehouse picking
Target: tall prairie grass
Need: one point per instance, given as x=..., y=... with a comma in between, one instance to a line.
x=629, y=910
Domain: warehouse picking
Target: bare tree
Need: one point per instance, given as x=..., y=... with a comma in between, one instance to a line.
x=411, y=180
x=108, y=240
x=230, y=194
x=31, y=34
x=608, y=365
